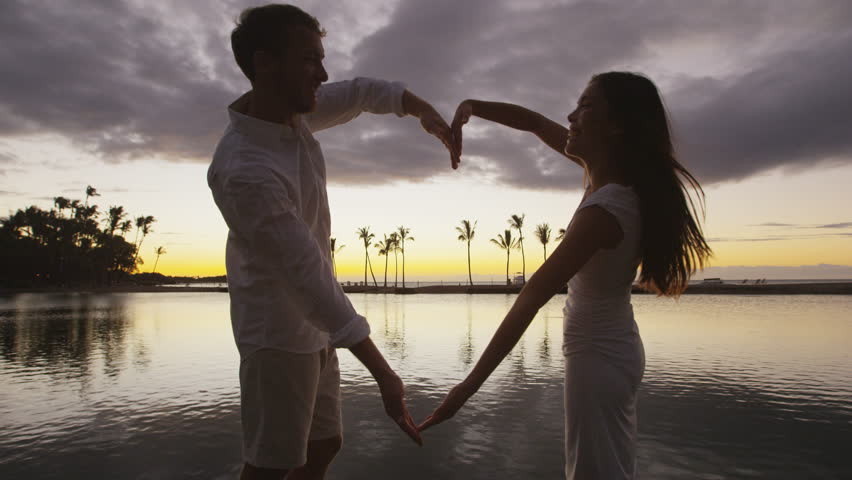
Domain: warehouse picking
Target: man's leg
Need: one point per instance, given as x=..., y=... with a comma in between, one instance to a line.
x=254, y=473
x=326, y=436
x=320, y=455
x=277, y=396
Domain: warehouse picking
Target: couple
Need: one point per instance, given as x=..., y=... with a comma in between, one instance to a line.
x=289, y=313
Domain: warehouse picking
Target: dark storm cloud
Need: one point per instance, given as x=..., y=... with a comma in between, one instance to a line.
x=130, y=80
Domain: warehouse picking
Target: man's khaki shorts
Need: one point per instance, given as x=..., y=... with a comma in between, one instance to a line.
x=288, y=399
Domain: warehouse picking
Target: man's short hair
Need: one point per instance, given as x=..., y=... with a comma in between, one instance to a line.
x=265, y=29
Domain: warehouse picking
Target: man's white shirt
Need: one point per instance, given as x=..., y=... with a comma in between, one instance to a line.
x=269, y=182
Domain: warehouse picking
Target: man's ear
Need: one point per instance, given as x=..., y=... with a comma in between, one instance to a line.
x=263, y=61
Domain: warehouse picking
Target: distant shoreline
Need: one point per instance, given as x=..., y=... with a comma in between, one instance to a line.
x=832, y=288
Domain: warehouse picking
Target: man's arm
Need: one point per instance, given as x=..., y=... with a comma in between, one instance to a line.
x=390, y=386
x=259, y=211
x=340, y=102
x=432, y=122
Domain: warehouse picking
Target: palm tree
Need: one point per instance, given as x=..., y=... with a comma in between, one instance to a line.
x=542, y=232
x=115, y=218
x=466, y=233
x=365, y=235
x=517, y=222
x=403, y=236
x=159, y=251
x=394, y=239
x=125, y=227
x=143, y=224
x=61, y=204
x=91, y=192
x=334, y=251
x=506, y=242
x=561, y=234
x=385, y=247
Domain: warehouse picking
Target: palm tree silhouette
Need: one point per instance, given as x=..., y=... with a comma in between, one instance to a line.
x=506, y=242
x=91, y=192
x=385, y=247
x=542, y=232
x=403, y=236
x=61, y=204
x=143, y=224
x=115, y=219
x=517, y=222
x=394, y=239
x=365, y=235
x=159, y=251
x=561, y=234
x=466, y=233
x=334, y=250
x=125, y=227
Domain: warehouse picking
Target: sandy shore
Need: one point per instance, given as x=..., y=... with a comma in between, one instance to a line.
x=832, y=288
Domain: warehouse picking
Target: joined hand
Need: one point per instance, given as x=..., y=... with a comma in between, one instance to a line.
x=393, y=396
x=434, y=124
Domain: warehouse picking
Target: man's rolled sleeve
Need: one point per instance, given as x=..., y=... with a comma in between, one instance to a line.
x=340, y=102
x=262, y=214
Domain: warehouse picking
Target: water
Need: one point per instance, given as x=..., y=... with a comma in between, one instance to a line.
x=144, y=386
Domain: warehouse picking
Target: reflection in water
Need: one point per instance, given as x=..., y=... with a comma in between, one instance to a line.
x=64, y=334
x=144, y=386
x=467, y=350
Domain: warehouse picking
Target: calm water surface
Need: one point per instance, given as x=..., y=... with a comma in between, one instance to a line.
x=144, y=386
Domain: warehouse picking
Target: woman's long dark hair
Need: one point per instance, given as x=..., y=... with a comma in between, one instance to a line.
x=673, y=245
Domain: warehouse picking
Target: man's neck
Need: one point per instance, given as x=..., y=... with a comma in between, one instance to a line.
x=270, y=107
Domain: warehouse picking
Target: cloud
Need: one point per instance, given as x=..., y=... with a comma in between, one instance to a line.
x=836, y=225
x=752, y=86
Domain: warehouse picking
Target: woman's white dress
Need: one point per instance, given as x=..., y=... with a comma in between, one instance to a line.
x=604, y=356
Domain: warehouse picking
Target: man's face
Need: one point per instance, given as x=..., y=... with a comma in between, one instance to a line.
x=300, y=71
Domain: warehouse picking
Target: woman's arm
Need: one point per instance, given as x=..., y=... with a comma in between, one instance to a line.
x=514, y=116
x=593, y=228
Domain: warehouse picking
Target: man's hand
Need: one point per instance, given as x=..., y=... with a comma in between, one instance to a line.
x=450, y=406
x=463, y=113
x=390, y=386
x=393, y=396
x=432, y=122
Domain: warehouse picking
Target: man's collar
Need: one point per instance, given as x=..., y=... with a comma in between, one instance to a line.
x=253, y=126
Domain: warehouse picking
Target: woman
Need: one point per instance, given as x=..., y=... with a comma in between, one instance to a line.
x=636, y=211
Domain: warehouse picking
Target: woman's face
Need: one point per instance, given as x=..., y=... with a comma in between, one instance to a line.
x=589, y=128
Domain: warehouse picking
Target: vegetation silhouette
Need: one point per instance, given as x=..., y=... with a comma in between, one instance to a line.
x=403, y=236
x=517, y=222
x=506, y=242
x=385, y=247
x=365, y=235
x=335, y=249
x=70, y=245
x=542, y=232
x=466, y=234
x=159, y=251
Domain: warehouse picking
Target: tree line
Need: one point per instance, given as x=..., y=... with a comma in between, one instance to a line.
x=394, y=243
x=72, y=244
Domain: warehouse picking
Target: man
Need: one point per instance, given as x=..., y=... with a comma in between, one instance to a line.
x=288, y=312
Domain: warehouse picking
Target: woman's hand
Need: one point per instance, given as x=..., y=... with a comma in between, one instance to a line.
x=463, y=113
x=451, y=404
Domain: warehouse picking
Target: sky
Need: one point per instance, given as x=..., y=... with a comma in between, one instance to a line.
x=130, y=97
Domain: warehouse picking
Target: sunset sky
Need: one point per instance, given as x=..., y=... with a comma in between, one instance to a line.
x=131, y=96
